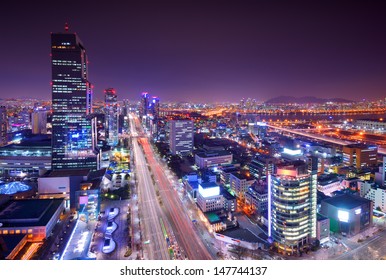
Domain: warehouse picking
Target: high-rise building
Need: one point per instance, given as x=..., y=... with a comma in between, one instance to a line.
x=3, y=125
x=73, y=129
x=143, y=108
x=111, y=119
x=153, y=116
x=292, y=205
x=181, y=136
x=39, y=121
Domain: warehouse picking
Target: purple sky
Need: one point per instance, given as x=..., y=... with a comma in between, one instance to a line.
x=203, y=50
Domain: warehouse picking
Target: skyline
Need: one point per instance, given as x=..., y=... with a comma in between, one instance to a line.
x=205, y=51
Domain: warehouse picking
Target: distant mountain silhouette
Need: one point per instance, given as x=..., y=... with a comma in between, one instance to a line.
x=305, y=99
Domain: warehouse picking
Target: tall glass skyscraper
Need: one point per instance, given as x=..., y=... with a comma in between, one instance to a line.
x=111, y=116
x=73, y=128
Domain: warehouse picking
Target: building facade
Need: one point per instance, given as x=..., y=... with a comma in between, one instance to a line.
x=111, y=117
x=73, y=130
x=360, y=155
x=211, y=159
x=292, y=205
x=373, y=192
x=39, y=122
x=348, y=213
x=209, y=197
x=239, y=184
x=261, y=166
x=257, y=198
x=181, y=136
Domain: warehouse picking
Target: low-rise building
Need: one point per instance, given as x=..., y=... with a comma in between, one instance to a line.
x=209, y=198
x=239, y=184
x=322, y=228
x=206, y=159
x=348, y=213
x=257, y=197
x=328, y=183
x=373, y=192
x=32, y=217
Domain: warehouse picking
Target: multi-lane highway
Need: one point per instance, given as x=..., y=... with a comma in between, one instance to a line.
x=150, y=212
x=172, y=207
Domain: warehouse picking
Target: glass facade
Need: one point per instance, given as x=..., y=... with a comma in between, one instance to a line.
x=111, y=113
x=73, y=146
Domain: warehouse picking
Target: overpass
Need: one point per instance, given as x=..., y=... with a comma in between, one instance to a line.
x=381, y=151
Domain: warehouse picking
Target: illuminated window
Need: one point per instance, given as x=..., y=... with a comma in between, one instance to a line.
x=17, y=231
x=24, y=231
x=11, y=232
x=30, y=231
x=5, y=231
x=30, y=235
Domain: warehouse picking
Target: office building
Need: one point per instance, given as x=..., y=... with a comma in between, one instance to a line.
x=181, y=136
x=73, y=128
x=207, y=159
x=39, y=121
x=143, y=108
x=239, y=184
x=111, y=117
x=292, y=204
x=360, y=155
x=256, y=197
x=371, y=124
x=209, y=197
x=380, y=176
x=3, y=126
x=374, y=192
x=261, y=166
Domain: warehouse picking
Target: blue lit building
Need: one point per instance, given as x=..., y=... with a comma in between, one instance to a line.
x=73, y=129
x=111, y=117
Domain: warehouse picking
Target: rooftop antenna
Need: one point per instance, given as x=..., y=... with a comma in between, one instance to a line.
x=66, y=27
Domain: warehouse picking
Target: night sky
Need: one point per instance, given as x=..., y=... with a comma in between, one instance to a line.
x=202, y=51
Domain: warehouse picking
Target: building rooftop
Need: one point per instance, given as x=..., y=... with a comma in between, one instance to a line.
x=68, y=172
x=38, y=141
x=326, y=179
x=361, y=146
x=10, y=242
x=231, y=169
x=346, y=201
x=320, y=217
x=242, y=234
x=226, y=194
x=29, y=212
x=212, y=217
x=242, y=176
x=207, y=185
x=260, y=188
x=204, y=154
